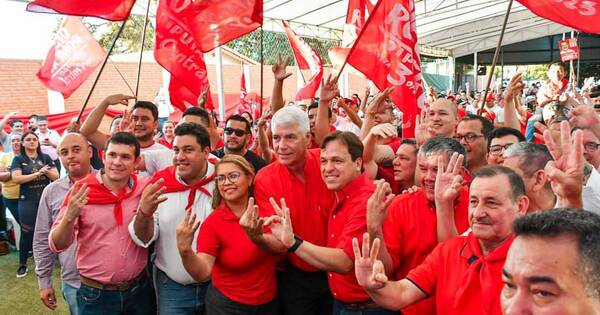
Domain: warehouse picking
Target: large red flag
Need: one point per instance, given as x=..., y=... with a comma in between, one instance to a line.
x=113, y=10
x=355, y=20
x=213, y=23
x=306, y=59
x=386, y=53
x=245, y=105
x=72, y=59
x=582, y=15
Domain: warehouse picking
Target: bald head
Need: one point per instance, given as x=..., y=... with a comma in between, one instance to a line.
x=442, y=117
x=75, y=154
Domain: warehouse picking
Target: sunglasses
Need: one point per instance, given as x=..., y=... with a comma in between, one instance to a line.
x=238, y=132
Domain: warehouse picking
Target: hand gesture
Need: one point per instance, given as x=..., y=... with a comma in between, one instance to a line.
x=281, y=224
x=77, y=200
x=48, y=297
x=125, y=123
x=370, y=273
x=152, y=196
x=186, y=230
x=118, y=99
x=379, y=99
x=377, y=205
x=262, y=121
x=203, y=97
x=422, y=133
x=566, y=171
x=329, y=89
x=279, y=69
x=74, y=126
x=384, y=131
x=411, y=190
x=515, y=86
x=584, y=117
x=448, y=181
x=251, y=222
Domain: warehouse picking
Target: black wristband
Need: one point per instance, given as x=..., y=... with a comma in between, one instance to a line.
x=297, y=242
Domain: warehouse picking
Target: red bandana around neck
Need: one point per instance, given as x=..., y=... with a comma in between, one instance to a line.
x=173, y=185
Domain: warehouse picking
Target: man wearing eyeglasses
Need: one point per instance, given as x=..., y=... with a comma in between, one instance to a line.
x=472, y=132
x=237, y=133
x=500, y=139
x=591, y=146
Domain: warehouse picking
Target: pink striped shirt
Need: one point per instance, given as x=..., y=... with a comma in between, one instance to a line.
x=105, y=251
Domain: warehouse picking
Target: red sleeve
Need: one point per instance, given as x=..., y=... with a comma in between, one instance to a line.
x=425, y=275
x=208, y=239
x=392, y=235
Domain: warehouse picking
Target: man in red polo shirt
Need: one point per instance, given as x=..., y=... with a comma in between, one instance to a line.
x=342, y=172
x=464, y=274
x=414, y=223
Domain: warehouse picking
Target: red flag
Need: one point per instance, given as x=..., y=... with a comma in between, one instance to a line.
x=245, y=105
x=113, y=10
x=177, y=52
x=386, y=53
x=355, y=20
x=306, y=59
x=581, y=15
x=213, y=23
x=72, y=59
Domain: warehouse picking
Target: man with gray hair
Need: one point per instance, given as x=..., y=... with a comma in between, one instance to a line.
x=412, y=224
x=296, y=177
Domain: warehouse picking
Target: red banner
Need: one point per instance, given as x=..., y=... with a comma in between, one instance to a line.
x=72, y=59
x=386, y=53
x=582, y=15
x=306, y=59
x=245, y=105
x=355, y=20
x=569, y=49
x=113, y=10
x=181, y=97
x=213, y=23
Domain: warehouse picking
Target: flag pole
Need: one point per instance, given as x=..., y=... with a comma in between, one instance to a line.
x=121, y=75
x=495, y=60
x=261, y=69
x=139, y=70
x=87, y=99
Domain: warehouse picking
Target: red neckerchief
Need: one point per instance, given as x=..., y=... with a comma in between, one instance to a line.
x=100, y=195
x=173, y=185
x=480, y=276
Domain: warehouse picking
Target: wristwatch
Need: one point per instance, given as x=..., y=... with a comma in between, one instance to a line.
x=297, y=242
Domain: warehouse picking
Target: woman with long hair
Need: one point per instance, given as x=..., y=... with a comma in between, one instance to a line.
x=243, y=275
x=33, y=171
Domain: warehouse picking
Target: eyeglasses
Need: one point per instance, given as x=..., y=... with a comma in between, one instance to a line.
x=499, y=149
x=469, y=137
x=232, y=177
x=238, y=132
x=591, y=146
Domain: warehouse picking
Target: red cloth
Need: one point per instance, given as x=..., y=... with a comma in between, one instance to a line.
x=309, y=200
x=581, y=15
x=182, y=97
x=72, y=58
x=348, y=219
x=355, y=20
x=306, y=59
x=392, y=25
x=461, y=112
x=166, y=143
x=410, y=234
x=458, y=266
x=113, y=10
x=242, y=271
x=173, y=185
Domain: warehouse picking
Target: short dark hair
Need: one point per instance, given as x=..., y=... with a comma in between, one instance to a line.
x=125, y=138
x=33, y=116
x=198, y=112
x=517, y=186
x=240, y=118
x=411, y=142
x=192, y=129
x=349, y=139
x=486, y=124
x=42, y=118
x=583, y=225
x=505, y=131
x=149, y=106
x=443, y=144
x=14, y=121
x=315, y=105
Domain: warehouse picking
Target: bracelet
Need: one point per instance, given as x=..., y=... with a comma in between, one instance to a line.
x=297, y=242
x=147, y=216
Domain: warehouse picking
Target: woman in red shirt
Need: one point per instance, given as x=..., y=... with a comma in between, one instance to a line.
x=243, y=275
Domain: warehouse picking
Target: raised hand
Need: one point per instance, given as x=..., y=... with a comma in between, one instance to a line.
x=251, y=222
x=377, y=205
x=379, y=99
x=186, y=230
x=370, y=273
x=77, y=200
x=203, y=97
x=281, y=224
x=384, y=131
x=448, y=181
x=125, y=123
x=118, y=99
x=279, y=69
x=566, y=171
x=584, y=117
x=329, y=89
x=515, y=86
x=422, y=133
x=152, y=196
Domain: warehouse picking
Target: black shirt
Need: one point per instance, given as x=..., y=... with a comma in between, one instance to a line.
x=256, y=161
x=32, y=190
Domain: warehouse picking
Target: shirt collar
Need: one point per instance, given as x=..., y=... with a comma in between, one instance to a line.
x=228, y=215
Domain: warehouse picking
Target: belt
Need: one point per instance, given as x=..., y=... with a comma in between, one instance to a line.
x=121, y=286
x=366, y=305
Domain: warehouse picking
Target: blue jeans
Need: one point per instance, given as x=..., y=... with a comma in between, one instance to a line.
x=134, y=301
x=174, y=298
x=70, y=295
x=340, y=309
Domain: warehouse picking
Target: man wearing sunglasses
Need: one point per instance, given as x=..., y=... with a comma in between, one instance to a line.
x=237, y=134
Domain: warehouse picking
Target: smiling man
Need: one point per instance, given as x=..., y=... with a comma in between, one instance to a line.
x=237, y=134
x=472, y=132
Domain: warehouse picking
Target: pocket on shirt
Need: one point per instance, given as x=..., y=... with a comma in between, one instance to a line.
x=89, y=294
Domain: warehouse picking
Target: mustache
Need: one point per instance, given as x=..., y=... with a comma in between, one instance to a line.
x=482, y=220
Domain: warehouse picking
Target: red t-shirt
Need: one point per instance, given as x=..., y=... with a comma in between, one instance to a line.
x=410, y=234
x=309, y=201
x=166, y=143
x=348, y=220
x=467, y=282
x=242, y=271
